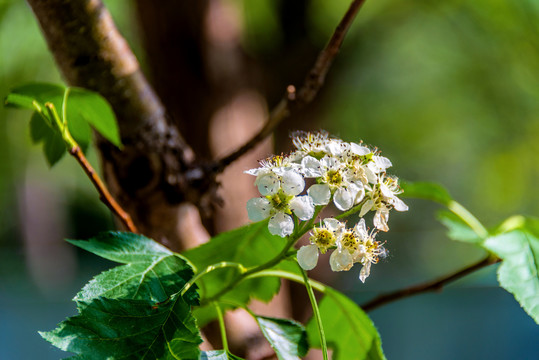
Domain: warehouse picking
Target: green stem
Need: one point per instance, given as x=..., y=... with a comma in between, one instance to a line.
x=353, y=210
x=289, y=276
x=468, y=218
x=62, y=125
x=221, y=326
x=316, y=313
x=209, y=269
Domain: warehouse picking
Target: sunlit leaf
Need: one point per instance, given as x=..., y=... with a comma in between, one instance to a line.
x=288, y=338
x=250, y=245
x=518, y=273
x=458, y=229
x=129, y=329
x=349, y=331
x=152, y=272
x=94, y=109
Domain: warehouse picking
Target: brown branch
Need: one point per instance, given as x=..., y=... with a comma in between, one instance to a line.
x=436, y=285
x=104, y=194
x=292, y=100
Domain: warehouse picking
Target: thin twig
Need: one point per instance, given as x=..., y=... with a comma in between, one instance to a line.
x=104, y=194
x=292, y=99
x=435, y=285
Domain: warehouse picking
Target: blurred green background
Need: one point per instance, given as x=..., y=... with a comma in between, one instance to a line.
x=449, y=91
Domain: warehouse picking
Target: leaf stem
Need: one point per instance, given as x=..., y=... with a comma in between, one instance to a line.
x=316, y=313
x=222, y=326
x=207, y=270
x=468, y=218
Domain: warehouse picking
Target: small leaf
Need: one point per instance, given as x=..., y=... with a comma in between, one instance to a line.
x=152, y=272
x=96, y=111
x=133, y=329
x=250, y=245
x=288, y=338
x=349, y=331
x=23, y=96
x=218, y=355
x=39, y=130
x=518, y=273
x=458, y=229
x=53, y=147
x=427, y=191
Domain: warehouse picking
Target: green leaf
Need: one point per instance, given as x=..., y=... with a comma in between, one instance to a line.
x=93, y=108
x=23, y=96
x=83, y=108
x=458, y=229
x=39, y=130
x=152, y=272
x=288, y=338
x=129, y=329
x=218, y=355
x=349, y=331
x=518, y=273
x=53, y=147
x=427, y=191
x=250, y=245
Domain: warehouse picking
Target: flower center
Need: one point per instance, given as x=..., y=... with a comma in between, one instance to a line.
x=323, y=238
x=349, y=242
x=334, y=177
x=280, y=201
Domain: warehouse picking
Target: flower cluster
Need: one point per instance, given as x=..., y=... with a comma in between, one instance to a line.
x=349, y=175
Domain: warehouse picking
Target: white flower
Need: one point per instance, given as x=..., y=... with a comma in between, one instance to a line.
x=278, y=208
x=382, y=198
x=322, y=238
x=378, y=165
x=368, y=250
x=335, y=178
x=275, y=173
x=317, y=144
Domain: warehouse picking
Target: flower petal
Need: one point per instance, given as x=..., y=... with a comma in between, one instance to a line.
x=341, y=260
x=382, y=162
x=361, y=229
x=281, y=225
x=320, y=193
x=292, y=182
x=258, y=209
x=365, y=271
x=366, y=207
x=380, y=219
x=398, y=204
x=310, y=167
x=343, y=199
x=359, y=150
x=268, y=184
x=303, y=207
x=308, y=256
x=333, y=225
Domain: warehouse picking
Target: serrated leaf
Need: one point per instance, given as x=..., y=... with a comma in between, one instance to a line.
x=427, y=191
x=458, y=229
x=152, y=272
x=129, y=329
x=250, y=245
x=218, y=355
x=349, y=331
x=288, y=338
x=96, y=111
x=519, y=270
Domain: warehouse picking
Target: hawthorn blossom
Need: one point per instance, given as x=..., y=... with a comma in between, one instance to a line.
x=334, y=178
x=279, y=208
x=382, y=198
x=322, y=238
